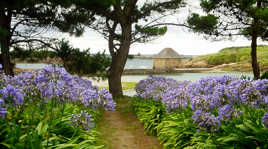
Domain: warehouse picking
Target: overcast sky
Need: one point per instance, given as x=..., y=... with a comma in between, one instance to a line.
x=178, y=38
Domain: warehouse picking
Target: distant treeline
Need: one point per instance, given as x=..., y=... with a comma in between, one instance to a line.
x=73, y=59
x=32, y=55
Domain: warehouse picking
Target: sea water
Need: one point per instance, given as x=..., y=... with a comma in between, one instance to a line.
x=143, y=64
x=130, y=64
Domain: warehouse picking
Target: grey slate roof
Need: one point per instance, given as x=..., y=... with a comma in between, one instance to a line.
x=167, y=53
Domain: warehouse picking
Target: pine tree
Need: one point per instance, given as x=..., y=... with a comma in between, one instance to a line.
x=127, y=22
x=248, y=18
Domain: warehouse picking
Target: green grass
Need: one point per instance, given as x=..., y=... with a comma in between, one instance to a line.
x=128, y=85
x=236, y=55
x=125, y=85
x=240, y=56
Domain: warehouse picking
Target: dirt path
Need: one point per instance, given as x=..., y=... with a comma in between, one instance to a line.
x=121, y=130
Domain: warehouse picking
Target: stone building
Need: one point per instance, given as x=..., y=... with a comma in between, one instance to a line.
x=167, y=59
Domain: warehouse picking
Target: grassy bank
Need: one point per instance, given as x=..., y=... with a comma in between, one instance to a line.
x=238, y=58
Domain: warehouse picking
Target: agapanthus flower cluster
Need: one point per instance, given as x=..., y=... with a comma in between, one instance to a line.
x=265, y=120
x=52, y=83
x=154, y=87
x=206, y=120
x=12, y=94
x=212, y=99
x=176, y=97
x=228, y=112
x=3, y=110
x=82, y=120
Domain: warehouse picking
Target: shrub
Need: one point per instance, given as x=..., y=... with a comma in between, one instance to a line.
x=31, y=55
x=264, y=75
x=82, y=62
x=223, y=58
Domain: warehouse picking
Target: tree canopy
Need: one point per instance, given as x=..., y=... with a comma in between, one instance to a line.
x=126, y=22
x=226, y=18
x=28, y=22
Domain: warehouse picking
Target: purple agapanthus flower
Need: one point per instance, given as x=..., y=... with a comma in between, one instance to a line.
x=52, y=83
x=205, y=120
x=3, y=111
x=212, y=99
x=265, y=120
x=83, y=120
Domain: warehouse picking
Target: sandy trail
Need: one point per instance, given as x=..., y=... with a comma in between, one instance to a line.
x=121, y=130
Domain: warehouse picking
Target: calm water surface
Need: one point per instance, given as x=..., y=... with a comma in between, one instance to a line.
x=130, y=64
x=31, y=66
x=178, y=76
x=139, y=64
x=143, y=64
x=182, y=76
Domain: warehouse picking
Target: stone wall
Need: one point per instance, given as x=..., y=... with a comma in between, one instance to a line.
x=166, y=64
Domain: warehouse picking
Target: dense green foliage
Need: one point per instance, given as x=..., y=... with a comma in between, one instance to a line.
x=82, y=62
x=86, y=63
x=203, y=24
x=264, y=75
x=38, y=125
x=73, y=59
x=31, y=55
x=176, y=129
x=149, y=112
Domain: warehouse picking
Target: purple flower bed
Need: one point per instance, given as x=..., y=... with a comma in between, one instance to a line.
x=51, y=83
x=212, y=100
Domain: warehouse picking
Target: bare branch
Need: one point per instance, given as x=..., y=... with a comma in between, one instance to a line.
x=33, y=40
x=16, y=25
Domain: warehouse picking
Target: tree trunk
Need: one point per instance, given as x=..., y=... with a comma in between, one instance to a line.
x=254, y=36
x=119, y=59
x=5, y=27
x=5, y=59
x=254, y=60
x=114, y=79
